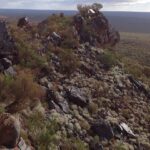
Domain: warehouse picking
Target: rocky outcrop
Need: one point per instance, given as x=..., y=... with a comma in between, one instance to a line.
x=23, y=22
x=96, y=30
x=95, y=102
x=7, y=44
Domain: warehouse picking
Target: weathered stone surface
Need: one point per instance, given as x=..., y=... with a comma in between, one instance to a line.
x=9, y=131
x=57, y=100
x=102, y=33
x=126, y=130
x=77, y=96
x=7, y=45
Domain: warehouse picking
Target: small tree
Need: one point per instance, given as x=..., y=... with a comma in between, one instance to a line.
x=83, y=9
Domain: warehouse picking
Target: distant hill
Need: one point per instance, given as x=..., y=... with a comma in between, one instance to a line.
x=136, y=22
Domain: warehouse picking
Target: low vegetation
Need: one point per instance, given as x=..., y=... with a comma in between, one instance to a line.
x=22, y=89
x=134, y=53
x=108, y=59
x=42, y=131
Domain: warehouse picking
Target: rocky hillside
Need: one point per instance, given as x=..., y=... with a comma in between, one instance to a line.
x=60, y=79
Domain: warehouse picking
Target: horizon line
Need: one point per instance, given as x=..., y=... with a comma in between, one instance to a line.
x=70, y=10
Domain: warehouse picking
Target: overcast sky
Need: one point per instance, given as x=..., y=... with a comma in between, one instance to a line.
x=109, y=5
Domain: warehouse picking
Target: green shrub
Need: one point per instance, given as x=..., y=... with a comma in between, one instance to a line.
x=73, y=144
x=27, y=48
x=22, y=91
x=54, y=23
x=108, y=60
x=5, y=82
x=69, y=62
x=120, y=146
x=146, y=71
x=2, y=110
x=42, y=131
x=29, y=57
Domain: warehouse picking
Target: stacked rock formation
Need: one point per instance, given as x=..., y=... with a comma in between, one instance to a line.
x=95, y=29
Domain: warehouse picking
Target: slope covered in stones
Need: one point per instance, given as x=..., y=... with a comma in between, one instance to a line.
x=66, y=83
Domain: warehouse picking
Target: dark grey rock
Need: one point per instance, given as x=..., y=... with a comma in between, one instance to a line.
x=6, y=63
x=59, y=100
x=96, y=146
x=77, y=96
x=103, y=129
x=7, y=45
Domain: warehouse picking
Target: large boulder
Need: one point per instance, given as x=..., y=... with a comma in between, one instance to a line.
x=9, y=131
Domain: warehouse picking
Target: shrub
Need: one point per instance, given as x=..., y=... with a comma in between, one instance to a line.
x=53, y=23
x=84, y=124
x=42, y=131
x=93, y=108
x=69, y=39
x=83, y=9
x=120, y=146
x=2, y=110
x=73, y=144
x=5, y=82
x=146, y=71
x=132, y=67
x=29, y=57
x=27, y=48
x=69, y=62
x=24, y=91
x=108, y=60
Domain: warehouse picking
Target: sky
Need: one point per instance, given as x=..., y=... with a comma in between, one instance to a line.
x=108, y=5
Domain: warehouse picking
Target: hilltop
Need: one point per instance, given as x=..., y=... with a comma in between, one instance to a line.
x=63, y=86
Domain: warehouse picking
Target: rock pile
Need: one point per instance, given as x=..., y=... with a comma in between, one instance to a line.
x=93, y=101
